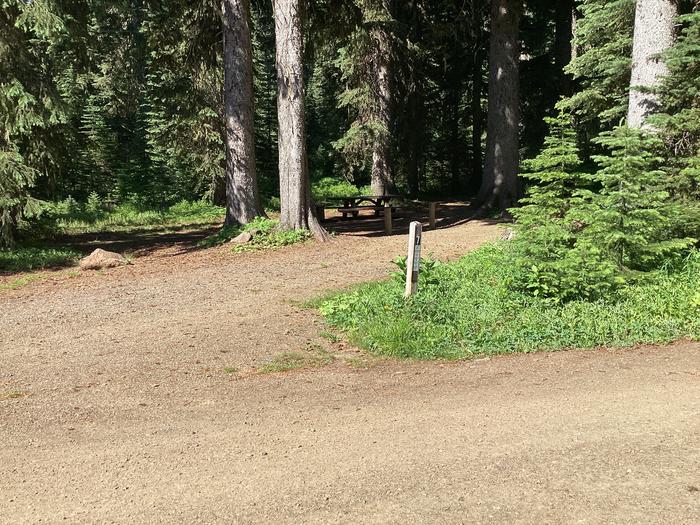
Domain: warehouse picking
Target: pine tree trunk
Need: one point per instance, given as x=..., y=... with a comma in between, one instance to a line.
x=382, y=181
x=297, y=210
x=242, y=197
x=654, y=33
x=499, y=186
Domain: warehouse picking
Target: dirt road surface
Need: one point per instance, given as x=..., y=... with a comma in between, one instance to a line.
x=119, y=403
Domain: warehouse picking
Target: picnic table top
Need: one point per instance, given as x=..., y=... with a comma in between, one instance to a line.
x=363, y=197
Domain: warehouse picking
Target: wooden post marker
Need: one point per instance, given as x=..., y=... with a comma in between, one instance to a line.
x=432, y=214
x=387, y=219
x=415, y=234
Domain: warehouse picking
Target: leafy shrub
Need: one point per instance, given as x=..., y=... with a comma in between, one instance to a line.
x=272, y=203
x=474, y=309
x=330, y=187
x=266, y=235
x=224, y=235
x=428, y=273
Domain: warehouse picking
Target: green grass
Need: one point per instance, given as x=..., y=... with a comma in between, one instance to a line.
x=224, y=235
x=70, y=218
x=286, y=361
x=471, y=310
x=266, y=235
x=29, y=259
x=12, y=394
x=333, y=338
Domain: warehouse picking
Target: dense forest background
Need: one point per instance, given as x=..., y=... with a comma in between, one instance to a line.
x=122, y=100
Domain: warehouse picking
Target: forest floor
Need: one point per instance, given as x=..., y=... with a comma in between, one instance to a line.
x=139, y=394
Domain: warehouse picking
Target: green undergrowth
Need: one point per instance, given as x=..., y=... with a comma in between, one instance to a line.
x=69, y=217
x=328, y=188
x=470, y=308
x=30, y=259
x=266, y=235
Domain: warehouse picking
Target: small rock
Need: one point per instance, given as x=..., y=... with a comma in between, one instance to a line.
x=102, y=259
x=508, y=234
x=243, y=238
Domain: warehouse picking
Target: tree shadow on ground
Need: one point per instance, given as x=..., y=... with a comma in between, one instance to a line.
x=186, y=238
x=141, y=241
x=448, y=215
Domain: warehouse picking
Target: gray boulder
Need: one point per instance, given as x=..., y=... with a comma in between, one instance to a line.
x=243, y=238
x=100, y=259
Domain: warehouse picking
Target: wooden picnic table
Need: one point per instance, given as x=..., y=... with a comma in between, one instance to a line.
x=353, y=204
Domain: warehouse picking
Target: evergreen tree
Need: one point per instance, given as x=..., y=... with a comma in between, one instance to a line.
x=364, y=63
x=602, y=65
x=552, y=258
x=31, y=108
x=633, y=218
x=242, y=197
x=297, y=209
x=679, y=119
x=499, y=186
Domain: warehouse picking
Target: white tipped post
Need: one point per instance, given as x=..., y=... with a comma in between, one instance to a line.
x=415, y=234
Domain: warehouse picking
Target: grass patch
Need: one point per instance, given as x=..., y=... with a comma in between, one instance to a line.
x=29, y=259
x=471, y=309
x=287, y=361
x=70, y=218
x=21, y=281
x=224, y=235
x=13, y=394
x=266, y=235
x=362, y=363
x=330, y=336
x=230, y=370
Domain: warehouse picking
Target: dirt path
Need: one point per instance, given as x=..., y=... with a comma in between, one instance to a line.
x=125, y=412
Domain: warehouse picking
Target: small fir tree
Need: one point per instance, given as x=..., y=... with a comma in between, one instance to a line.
x=552, y=260
x=603, y=64
x=16, y=204
x=633, y=218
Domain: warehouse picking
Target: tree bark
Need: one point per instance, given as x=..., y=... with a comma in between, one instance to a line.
x=297, y=210
x=382, y=180
x=654, y=33
x=500, y=177
x=242, y=196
